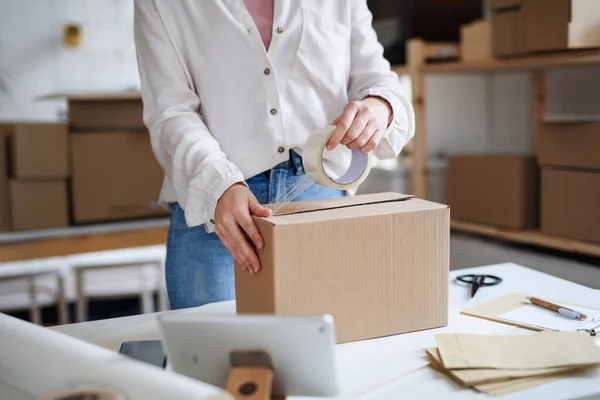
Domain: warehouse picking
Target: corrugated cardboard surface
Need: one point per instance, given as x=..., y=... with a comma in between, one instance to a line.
x=4, y=186
x=569, y=145
x=500, y=190
x=39, y=151
x=476, y=41
x=38, y=204
x=379, y=268
x=115, y=176
x=570, y=201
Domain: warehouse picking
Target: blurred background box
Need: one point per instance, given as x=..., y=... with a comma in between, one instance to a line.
x=574, y=145
x=38, y=204
x=38, y=151
x=110, y=110
x=501, y=190
x=115, y=176
x=476, y=41
x=528, y=26
x=570, y=204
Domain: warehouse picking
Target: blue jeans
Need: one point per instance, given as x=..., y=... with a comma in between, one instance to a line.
x=199, y=269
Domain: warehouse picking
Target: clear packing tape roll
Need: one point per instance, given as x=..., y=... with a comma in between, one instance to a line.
x=314, y=165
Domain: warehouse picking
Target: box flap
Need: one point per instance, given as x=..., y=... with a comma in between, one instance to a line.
x=297, y=207
x=93, y=96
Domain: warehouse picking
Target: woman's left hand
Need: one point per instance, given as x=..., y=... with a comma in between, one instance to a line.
x=362, y=124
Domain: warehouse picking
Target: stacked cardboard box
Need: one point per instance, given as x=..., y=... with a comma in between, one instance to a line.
x=529, y=26
x=570, y=160
x=500, y=190
x=115, y=173
x=34, y=169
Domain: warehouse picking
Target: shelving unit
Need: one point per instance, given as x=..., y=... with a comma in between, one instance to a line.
x=418, y=69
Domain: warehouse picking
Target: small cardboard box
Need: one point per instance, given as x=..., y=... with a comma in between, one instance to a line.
x=38, y=204
x=38, y=151
x=115, y=176
x=501, y=190
x=573, y=145
x=527, y=26
x=570, y=202
x=476, y=41
x=4, y=185
x=104, y=110
x=377, y=263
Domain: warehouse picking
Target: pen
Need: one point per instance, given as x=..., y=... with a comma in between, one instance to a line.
x=567, y=312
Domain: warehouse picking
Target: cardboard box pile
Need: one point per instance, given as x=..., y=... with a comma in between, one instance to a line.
x=501, y=190
x=570, y=192
x=115, y=173
x=499, y=365
x=33, y=176
x=378, y=263
x=529, y=26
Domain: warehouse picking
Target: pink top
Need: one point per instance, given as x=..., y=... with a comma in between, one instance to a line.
x=262, y=14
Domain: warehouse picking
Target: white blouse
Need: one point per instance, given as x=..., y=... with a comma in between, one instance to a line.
x=221, y=109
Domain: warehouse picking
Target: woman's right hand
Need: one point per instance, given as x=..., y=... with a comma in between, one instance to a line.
x=233, y=217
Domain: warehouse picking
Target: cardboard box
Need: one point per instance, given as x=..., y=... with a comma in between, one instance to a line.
x=4, y=186
x=570, y=202
x=115, y=176
x=101, y=111
x=501, y=190
x=38, y=151
x=527, y=26
x=38, y=204
x=377, y=263
x=476, y=41
x=569, y=145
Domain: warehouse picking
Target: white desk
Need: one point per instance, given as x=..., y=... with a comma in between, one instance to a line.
x=394, y=367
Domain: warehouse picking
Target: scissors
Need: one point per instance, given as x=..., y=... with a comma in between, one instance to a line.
x=476, y=281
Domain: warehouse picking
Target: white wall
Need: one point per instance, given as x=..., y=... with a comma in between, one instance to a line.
x=34, y=61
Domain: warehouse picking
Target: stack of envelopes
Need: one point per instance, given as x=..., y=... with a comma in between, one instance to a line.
x=500, y=365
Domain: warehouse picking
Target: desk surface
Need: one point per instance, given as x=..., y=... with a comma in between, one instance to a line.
x=394, y=367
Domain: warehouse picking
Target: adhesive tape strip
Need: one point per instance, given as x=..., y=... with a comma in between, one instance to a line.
x=312, y=158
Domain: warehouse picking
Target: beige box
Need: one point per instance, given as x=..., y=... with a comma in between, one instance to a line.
x=500, y=190
x=570, y=202
x=115, y=176
x=529, y=26
x=38, y=151
x=574, y=145
x=476, y=41
x=377, y=263
x=38, y=204
x=104, y=110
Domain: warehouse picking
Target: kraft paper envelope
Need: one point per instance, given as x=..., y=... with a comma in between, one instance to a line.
x=480, y=376
x=539, y=350
x=492, y=309
x=500, y=388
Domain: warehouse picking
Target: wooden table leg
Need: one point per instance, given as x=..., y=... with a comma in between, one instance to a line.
x=250, y=383
x=61, y=302
x=34, y=310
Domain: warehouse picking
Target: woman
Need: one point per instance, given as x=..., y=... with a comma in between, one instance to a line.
x=231, y=91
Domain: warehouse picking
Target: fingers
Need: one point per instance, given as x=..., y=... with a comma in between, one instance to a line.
x=259, y=210
x=244, y=220
x=373, y=142
x=363, y=135
x=235, y=241
x=344, y=122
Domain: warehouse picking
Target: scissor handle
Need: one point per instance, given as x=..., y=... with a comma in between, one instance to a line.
x=470, y=278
